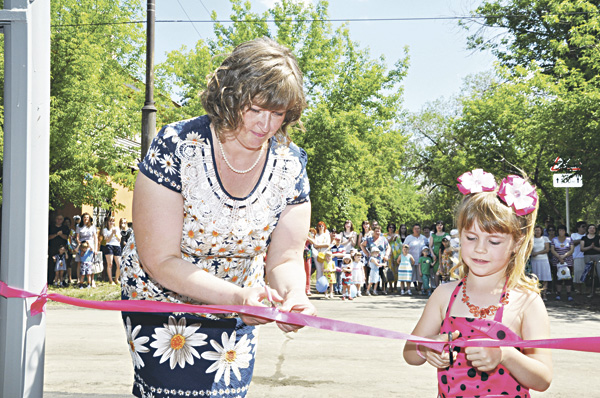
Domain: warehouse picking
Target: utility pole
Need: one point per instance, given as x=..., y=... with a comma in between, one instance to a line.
x=149, y=110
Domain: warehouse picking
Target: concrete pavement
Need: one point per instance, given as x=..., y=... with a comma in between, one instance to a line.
x=87, y=354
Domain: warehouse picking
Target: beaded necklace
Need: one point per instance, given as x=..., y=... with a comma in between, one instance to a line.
x=481, y=312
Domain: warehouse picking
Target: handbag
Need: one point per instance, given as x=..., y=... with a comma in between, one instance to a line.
x=97, y=264
x=563, y=272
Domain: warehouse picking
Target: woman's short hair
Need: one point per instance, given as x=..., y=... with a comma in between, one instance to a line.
x=258, y=72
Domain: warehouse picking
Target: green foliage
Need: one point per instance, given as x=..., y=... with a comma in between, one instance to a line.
x=353, y=125
x=95, y=99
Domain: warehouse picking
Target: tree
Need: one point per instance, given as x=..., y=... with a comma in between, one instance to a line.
x=353, y=125
x=95, y=99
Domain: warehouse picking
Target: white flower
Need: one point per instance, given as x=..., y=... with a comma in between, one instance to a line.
x=254, y=340
x=136, y=345
x=193, y=136
x=175, y=341
x=167, y=163
x=283, y=151
x=170, y=132
x=153, y=154
x=230, y=356
x=476, y=181
x=519, y=194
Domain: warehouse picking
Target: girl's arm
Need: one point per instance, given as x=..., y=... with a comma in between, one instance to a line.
x=546, y=250
x=571, y=250
x=533, y=367
x=554, y=253
x=429, y=326
x=353, y=238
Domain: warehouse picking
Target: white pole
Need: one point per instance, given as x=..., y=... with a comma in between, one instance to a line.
x=26, y=26
x=567, y=211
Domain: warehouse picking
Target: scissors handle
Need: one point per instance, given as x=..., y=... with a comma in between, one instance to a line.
x=450, y=349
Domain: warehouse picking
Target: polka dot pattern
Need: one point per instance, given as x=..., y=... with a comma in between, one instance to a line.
x=464, y=380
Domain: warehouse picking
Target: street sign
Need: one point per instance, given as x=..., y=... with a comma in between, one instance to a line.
x=567, y=181
x=558, y=166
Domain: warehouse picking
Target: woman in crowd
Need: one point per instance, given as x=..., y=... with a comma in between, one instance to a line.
x=85, y=232
x=214, y=193
x=403, y=233
x=377, y=239
x=415, y=242
x=322, y=243
x=590, y=246
x=348, y=237
x=112, y=248
x=395, y=249
x=435, y=243
x=562, y=248
x=125, y=233
x=365, y=230
x=539, y=259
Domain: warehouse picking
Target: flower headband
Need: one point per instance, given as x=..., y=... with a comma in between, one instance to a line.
x=515, y=191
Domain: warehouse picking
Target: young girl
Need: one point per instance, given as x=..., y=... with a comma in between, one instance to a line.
x=374, y=263
x=445, y=259
x=86, y=254
x=358, y=271
x=496, y=300
x=405, y=264
x=346, y=277
x=329, y=272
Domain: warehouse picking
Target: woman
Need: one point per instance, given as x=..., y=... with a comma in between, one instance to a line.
x=126, y=232
x=395, y=249
x=435, y=243
x=321, y=242
x=403, y=232
x=112, y=248
x=213, y=194
x=562, y=248
x=85, y=232
x=590, y=246
x=415, y=242
x=377, y=239
x=71, y=248
x=348, y=237
x=539, y=259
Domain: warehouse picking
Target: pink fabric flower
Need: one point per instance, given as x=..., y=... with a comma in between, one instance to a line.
x=519, y=194
x=476, y=181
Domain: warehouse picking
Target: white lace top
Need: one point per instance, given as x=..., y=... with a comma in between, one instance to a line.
x=223, y=235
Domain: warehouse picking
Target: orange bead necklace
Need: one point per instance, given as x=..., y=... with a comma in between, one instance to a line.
x=481, y=312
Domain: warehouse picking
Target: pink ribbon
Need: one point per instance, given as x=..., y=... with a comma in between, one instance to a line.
x=586, y=344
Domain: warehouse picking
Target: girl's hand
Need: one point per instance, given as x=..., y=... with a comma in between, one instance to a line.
x=437, y=359
x=254, y=296
x=484, y=359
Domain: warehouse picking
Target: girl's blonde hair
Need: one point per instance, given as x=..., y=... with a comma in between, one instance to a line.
x=494, y=216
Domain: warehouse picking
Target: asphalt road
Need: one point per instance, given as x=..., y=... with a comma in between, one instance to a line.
x=87, y=354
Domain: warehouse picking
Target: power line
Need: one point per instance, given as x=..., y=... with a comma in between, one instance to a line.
x=190, y=19
x=396, y=19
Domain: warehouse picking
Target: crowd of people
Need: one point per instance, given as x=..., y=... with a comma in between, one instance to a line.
x=78, y=250
x=397, y=262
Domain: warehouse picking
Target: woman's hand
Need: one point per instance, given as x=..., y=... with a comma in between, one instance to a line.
x=484, y=359
x=254, y=296
x=440, y=360
x=296, y=302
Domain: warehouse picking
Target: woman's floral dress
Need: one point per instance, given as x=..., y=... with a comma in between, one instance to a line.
x=181, y=354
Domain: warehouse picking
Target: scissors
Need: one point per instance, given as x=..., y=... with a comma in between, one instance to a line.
x=450, y=349
x=270, y=298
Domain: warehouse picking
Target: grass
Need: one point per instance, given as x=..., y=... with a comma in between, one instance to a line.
x=103, y=291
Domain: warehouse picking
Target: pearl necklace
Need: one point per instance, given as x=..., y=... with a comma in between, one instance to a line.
x=481, y=312
x=262, y=149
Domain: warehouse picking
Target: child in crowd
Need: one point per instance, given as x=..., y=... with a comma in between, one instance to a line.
x=86, y=254
x=425, y=264
x=405, y=262
x=454, y=244
x=329, y=272
x=358, y=271
x=346, y=277
x=445, y=256
x=374, y=263
x=60, y=261
x=496, y=229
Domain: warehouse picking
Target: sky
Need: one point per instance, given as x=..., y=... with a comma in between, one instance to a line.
x=439, y=59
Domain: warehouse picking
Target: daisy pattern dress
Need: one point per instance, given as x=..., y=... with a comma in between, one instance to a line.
x=188, y=355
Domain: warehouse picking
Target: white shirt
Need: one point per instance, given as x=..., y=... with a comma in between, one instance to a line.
x=577, y=253
x=539, y=245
